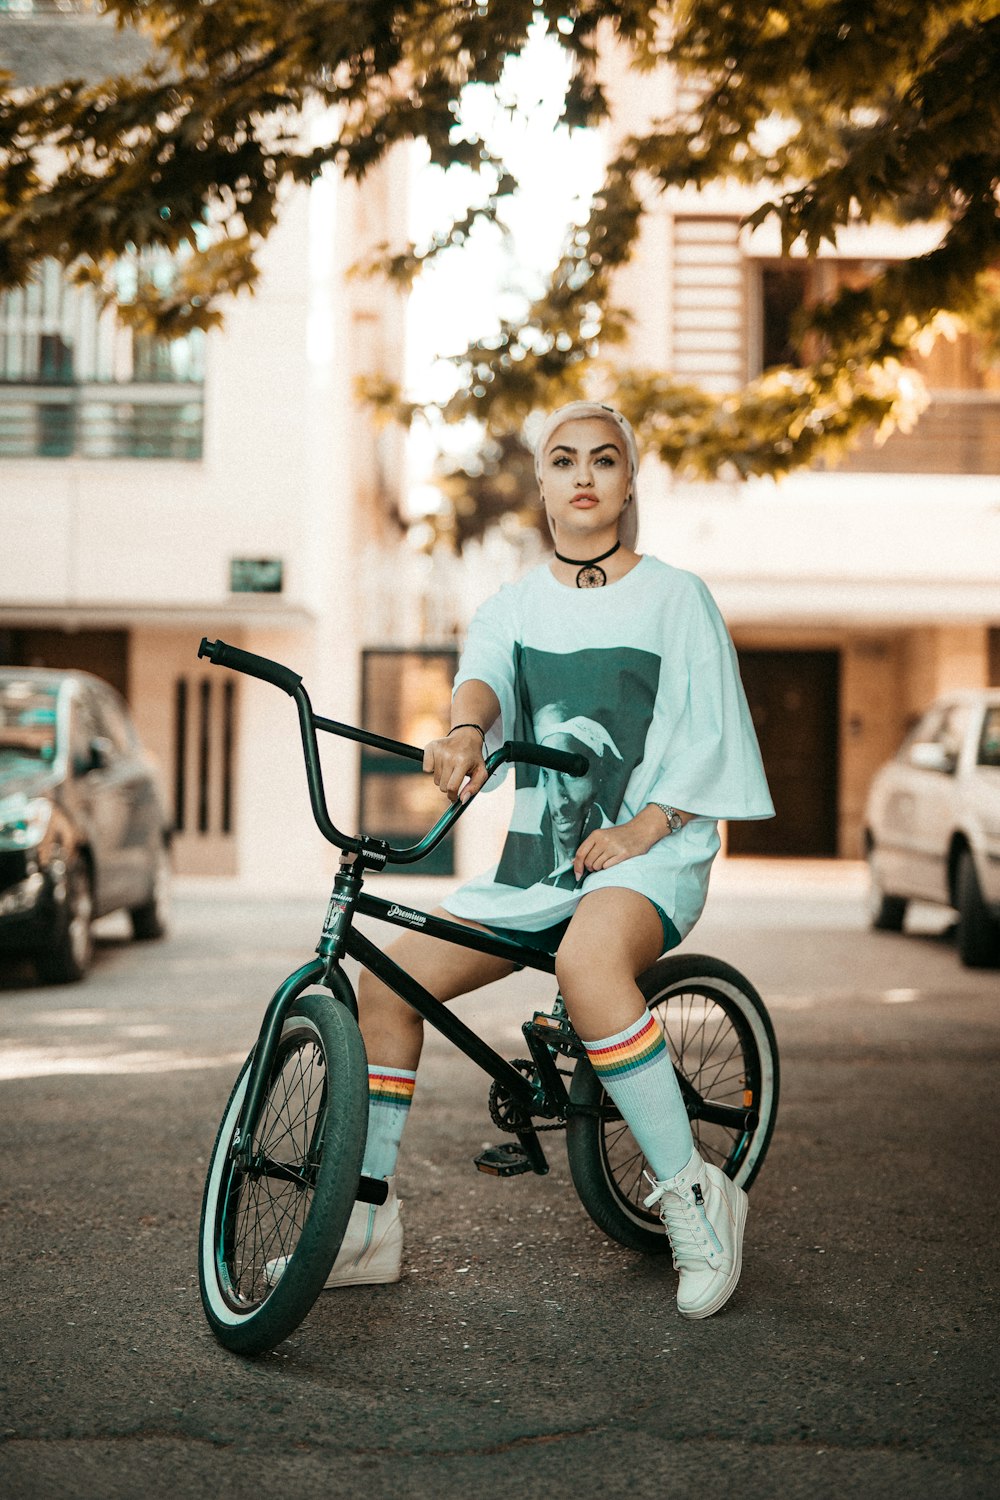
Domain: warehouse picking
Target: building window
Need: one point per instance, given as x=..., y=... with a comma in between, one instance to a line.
x=405, y=695
x=204, y=757
x=958, y=433
x=77, y=381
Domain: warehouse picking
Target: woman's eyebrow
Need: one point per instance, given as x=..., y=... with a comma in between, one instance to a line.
x=565, y=448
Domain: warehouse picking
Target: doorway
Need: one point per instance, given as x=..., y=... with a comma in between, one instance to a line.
x=103, y=652
x=794, y=699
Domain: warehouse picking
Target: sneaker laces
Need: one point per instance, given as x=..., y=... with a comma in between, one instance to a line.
x=684, y=1225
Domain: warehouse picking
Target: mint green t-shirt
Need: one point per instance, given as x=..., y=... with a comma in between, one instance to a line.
x=641, y=677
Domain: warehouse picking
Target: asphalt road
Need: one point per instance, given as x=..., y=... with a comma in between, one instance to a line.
x=522, y=1354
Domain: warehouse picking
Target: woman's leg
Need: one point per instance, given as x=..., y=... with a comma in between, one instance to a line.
x=392, y=1030
x=615, y=934
x=372, y=1248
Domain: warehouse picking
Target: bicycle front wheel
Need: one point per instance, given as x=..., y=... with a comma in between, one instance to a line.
x=272, y=1222
x=724, y=1051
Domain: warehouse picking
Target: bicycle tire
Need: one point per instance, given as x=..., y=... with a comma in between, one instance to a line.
x=722, y=1040
x=310, y=1141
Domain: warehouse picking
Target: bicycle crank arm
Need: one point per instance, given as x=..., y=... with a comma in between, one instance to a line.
x=744, y=1120
x=727, y=1115
x=370, y=1189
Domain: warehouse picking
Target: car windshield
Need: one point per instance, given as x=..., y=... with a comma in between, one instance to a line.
x=27, y=727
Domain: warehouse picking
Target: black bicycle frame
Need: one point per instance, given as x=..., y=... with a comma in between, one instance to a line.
x=342, y=939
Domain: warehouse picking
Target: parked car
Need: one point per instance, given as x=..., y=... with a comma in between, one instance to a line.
x=83, y=829
x=932, y=824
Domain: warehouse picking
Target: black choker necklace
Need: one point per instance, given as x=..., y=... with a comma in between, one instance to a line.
x=590, y=575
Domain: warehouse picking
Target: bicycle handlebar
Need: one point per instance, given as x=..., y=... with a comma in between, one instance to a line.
x=566, y=761
x=222, y=655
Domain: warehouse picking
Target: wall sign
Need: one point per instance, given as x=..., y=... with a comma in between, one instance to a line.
x=256, y=575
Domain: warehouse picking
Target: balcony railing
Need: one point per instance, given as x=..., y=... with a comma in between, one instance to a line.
x=102, y=420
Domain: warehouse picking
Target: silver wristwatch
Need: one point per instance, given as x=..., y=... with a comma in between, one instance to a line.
x=674, y=820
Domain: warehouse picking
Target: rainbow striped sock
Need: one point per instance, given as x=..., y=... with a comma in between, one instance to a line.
x=636, y=1070
x=390, y=1091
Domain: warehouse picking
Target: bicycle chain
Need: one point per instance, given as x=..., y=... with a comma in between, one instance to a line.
x=507, y=1115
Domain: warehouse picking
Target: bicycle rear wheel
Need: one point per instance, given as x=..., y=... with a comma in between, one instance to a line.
x=724, y=1050
x=270, y=1230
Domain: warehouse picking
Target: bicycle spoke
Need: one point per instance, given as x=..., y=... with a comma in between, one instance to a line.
x=271, y=1208
x=709, y=1053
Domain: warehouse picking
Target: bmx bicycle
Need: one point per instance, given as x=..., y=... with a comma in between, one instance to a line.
x=285, y=1169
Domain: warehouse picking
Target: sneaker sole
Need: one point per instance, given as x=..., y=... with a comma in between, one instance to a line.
x=363, y=1278
x=722, y=1297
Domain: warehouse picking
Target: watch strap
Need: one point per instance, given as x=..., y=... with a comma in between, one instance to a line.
x=674, y=820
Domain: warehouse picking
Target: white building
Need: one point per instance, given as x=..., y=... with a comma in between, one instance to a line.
x=224, y=487
x=141, y=497
x=854, y=594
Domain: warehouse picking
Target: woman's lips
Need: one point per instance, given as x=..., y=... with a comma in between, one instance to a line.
x=583, y=501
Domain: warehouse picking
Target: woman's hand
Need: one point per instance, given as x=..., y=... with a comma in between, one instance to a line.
x=456, y=763
x=610, y=846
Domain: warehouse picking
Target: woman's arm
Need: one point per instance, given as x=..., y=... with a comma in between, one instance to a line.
x=610, y=846
x=457, y=758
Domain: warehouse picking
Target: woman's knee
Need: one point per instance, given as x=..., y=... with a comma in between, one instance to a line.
x=588, y=963
x=380, y=1006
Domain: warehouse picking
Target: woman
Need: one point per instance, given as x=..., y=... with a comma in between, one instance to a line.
x=627, y=659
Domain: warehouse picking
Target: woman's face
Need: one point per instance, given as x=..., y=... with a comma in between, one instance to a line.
x=568, y=798
x=586, y=477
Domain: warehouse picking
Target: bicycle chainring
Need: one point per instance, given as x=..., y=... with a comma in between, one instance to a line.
x=510, y=1115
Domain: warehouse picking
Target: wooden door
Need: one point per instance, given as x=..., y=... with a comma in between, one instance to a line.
x=794, y=702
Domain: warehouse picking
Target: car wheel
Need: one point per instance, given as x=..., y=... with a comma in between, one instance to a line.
x=885, y=913
x=152, y=919
x=978, y=930
x=69, y=948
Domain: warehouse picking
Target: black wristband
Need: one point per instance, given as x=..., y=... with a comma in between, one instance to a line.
x=468, y=726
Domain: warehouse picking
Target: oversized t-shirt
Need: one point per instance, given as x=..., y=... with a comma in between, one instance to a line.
x=640, y=676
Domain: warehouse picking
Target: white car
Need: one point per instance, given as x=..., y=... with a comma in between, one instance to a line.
x=932, y=824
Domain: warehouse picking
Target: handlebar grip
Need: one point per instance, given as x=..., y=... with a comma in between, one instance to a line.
x=566, y=761
x=238, y=660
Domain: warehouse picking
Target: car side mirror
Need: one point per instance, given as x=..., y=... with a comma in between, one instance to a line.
x=929, y=755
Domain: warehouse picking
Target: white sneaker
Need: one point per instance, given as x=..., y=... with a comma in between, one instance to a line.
x=704, y=1214
x=371, y=1252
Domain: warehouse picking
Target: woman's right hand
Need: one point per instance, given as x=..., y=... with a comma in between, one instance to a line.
x=456, y=763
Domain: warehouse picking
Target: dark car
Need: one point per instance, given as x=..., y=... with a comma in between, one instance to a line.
x=82, y=825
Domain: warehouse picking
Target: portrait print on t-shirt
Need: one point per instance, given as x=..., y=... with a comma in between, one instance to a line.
x=598, y=703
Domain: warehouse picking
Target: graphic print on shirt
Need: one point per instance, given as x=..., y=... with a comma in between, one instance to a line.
x=598, y=703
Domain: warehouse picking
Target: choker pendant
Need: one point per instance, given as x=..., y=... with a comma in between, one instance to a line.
x=590, y=575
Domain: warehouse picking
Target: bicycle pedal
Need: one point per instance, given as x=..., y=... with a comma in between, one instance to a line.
x=506, y=1160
